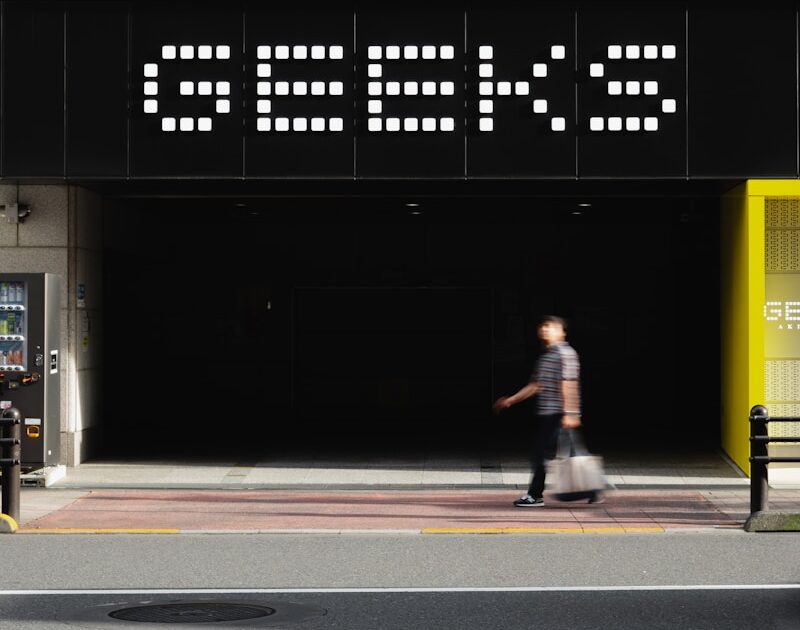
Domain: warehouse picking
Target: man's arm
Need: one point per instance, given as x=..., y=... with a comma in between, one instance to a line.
x=572, y=404
x=523, y=394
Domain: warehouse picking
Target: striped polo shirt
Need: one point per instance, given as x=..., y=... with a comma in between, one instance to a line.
x=559, y=363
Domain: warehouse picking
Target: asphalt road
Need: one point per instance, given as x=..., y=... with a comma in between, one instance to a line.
x=705, y=580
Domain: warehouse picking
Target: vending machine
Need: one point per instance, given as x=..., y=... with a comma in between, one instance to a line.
x=30, y=363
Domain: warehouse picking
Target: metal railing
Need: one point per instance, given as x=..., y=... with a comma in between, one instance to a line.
x=10, y=453
x=760, y=458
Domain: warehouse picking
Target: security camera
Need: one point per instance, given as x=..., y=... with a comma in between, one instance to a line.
x=15, y=212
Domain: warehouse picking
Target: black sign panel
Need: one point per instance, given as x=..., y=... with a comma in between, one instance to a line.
x=410, y=94
x=299, y=119
x=521, y=94
x=631, y=94
x=186, y=101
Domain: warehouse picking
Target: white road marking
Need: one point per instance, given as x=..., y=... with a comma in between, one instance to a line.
x=401, y=589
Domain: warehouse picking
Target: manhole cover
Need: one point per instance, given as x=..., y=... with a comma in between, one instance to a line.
x=200, y=612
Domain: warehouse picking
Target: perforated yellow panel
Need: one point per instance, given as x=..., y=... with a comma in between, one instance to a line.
x=782, y=256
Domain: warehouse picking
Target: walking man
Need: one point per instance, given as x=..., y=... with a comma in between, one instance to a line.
x=556, y=384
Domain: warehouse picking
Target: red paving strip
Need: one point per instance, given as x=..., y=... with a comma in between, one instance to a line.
x=422, y=510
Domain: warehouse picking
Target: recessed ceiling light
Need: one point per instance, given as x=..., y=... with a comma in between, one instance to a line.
x=584, y=205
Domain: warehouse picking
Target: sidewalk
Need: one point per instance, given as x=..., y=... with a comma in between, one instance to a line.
x=412, y=495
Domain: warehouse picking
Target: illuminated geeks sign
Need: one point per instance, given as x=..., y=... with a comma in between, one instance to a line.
x=394, y=75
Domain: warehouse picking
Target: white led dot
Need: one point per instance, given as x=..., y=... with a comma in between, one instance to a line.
x=540, y=69
x=282, y=88
x=615, y=51
x=669, y=51
x=447, y=88
x=504, y=88
x=447, y=124
x=596, y=70
x=393, y=52
x=336, y=52
x=204, y=124
x=486, y=107
x=429, y=88
x=150, y=106
x=300, y=124
x=651, y=87
x=485, y=52
x=374, y=124
x=204, y=52
x=447, y=52
x=151, y=70
x=558, y=52
x=669, y=106
x=632, y=51
x=223, y=106
x=374, y=107
x=596, y=123
x=264, y=88
x=281, y=124
x=317, y=52
x=486, y=88
x=615, y=87
x=264, y=106
x=411, y=124
x=336, y=124
x=299, y=52
x=486, y=124
x=204, y=88
x=187, y=52
x=651, y=123
x=410, y=52
x=151, y=88
x=615, y=123
x=299, y=88
x=410, y=88
x=281, y=52
x=374, y=52
x=264, y=52
x=558, y=124
x=486, y=70
x=264, y=124
x=392, y=124
x=187, y=124
x=632, y=123
x=429, y=52
x=651, y=52
x=375, y=88
x=428, y=124
x=632, y=87
x=223, y=88
x=168, y=52
x=318, y=88
x=522, y=88
x=187, y=88
x=223, y=52
x=264, y=70
x=317, y=124
x=539, y=106
x=167, y=124
x=393, y=88
x=374, y=70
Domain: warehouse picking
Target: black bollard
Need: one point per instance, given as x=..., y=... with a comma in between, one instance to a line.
x=10, y=423
x=759, y=477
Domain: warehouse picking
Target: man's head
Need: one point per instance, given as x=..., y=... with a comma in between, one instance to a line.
x=552, y=329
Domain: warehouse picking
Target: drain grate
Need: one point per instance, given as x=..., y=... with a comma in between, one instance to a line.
x=200, y=612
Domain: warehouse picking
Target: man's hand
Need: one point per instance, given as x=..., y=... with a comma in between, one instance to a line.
x=570, y=421
x=501, y=404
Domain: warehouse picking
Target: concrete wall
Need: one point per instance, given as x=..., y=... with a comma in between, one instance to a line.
x=63, y=235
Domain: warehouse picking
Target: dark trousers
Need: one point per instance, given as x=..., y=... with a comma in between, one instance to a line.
x=547, y=430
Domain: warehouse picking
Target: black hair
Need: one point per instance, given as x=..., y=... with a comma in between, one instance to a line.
x=554, y=319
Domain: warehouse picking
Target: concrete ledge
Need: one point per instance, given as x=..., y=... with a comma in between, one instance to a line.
x=773, y=522
x=7, y=524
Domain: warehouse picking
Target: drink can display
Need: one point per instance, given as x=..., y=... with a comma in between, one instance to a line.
x=20, y=292
x=3, y=292
x=3, y=326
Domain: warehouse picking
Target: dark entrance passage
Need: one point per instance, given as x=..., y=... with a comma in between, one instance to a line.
x=242, y=327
